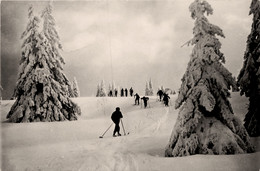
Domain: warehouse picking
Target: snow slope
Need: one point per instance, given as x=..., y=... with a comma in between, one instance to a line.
x=76, y=145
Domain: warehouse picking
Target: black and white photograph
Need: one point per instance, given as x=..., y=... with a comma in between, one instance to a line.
x=130, y=85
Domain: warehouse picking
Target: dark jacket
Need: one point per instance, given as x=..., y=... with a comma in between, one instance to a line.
x=116, y=116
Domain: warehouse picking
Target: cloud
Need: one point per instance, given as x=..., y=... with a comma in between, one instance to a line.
x=145, y=38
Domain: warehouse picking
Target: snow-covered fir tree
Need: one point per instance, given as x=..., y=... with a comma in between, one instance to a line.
x=101, y=92
x=150, y=87
x=1, y=90
x=206, y=123
x=249, y=77
x=147, y=91
x=162, y=88
x=110, y=89
x=98, y=90
x=52, y=36
x=41, y=89
x=76, y=92
x=113, y=88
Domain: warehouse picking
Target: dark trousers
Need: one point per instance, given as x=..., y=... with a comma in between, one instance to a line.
x=137, y=101
x=117, y=128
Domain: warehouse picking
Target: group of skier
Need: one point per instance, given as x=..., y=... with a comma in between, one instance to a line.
x=117, y=115
x=124, y=92
x=162, y=96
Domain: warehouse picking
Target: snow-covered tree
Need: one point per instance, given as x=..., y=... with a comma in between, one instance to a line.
x=162, y=88
x=55, y=46
x=151, y=87
x=41, y=89
x=249, y=77
x=76, y=92
x=101, y=92
x=113, y=88
x=1, y=89
x=98, y=90
x=206, y=123
x=147, y=91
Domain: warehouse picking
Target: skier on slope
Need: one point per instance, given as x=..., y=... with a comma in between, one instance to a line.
x=166, y=99
x=160, y=94
x=131, y=91
x=137, y=97
x=116, y=116
x=145, y=99
x=116, y=92
x=122, y=92
x=126, y=92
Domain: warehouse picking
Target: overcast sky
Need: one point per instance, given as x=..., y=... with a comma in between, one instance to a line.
x=125, y=41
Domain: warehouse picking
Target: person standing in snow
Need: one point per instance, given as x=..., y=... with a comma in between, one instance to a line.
x=166, y=99
x=145, y=99
x=110, y=93
x=126, y=92
x=116, y=116
x=131, y=91
x=160, y=94
x=137, y=97
x=122, y=92
x=116, y=92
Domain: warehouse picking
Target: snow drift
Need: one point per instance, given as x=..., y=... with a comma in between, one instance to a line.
x=75, y=145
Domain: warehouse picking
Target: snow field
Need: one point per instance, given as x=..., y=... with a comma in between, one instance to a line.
x=76, y=145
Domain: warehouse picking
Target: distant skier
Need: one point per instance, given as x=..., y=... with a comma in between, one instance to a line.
x=116, y=116
x=166, y=99
x=131, y=91
x=116, y=92
x=160, y=94
x=145, y=99
x=137, y=97
x=110, y=93
x=122, y=92
x=126, y=92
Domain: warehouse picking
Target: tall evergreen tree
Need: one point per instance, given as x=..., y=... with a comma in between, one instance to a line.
x=41, y=92
x=206, y=123
x=249, y=77
x=55, y=46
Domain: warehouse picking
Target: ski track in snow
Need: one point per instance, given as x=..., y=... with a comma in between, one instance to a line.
x=76, y=146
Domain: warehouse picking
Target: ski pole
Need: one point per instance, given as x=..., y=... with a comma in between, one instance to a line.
x=123, y=126
x=106, y=131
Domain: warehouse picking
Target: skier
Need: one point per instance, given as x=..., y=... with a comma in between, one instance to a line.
x=160, y=94
x=145, y=99
x=131, y=91
x=116, y=116
x=137, y=97
x=116, y=92
x=110, y=93
x=126, y=91
x=122, y=92
x=166, y=99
